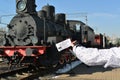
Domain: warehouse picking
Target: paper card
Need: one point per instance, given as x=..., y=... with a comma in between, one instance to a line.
x=63, y=45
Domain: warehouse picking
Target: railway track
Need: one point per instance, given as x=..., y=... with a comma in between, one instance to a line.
x=26, y=73
x=5, y=72
x=23, y=73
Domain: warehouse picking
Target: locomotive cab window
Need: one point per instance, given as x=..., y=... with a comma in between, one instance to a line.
x=21, y=5
x=77, y=27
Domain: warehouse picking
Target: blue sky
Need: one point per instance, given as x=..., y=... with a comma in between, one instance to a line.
x=103, y=15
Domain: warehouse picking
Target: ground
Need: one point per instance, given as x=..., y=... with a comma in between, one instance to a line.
x=83, y=72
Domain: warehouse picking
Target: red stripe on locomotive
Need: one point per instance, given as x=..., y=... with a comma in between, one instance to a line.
x=9, y=51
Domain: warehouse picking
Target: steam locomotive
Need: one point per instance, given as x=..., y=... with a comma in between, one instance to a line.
x=32, y=35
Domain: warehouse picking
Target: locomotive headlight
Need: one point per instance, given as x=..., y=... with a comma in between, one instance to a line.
x=21, y=5
x=34, y=40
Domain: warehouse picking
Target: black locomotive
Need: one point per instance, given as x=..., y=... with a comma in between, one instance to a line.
x=30, y=27
x=38, y=32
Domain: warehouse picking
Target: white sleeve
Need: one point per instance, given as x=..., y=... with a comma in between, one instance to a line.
x=92, y=56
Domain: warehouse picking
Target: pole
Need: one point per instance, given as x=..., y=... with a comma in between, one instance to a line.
x=104, y=40
x=44, y=31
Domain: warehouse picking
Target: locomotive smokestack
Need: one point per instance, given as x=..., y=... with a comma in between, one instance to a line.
x=50, y=10
x=25, y=6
